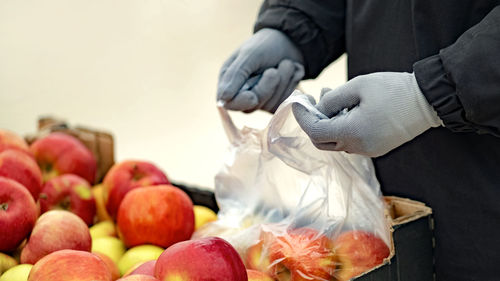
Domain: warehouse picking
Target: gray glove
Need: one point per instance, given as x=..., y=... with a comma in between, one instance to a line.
x=369, y=115
x=262, y=73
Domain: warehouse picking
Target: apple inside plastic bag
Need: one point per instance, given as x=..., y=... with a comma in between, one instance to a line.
x=276, y=183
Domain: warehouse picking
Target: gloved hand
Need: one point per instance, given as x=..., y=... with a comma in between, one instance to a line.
x=262, y=73
x=369, y=115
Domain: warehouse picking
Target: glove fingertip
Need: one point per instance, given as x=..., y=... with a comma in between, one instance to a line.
x=243, y=101
x=224, y=92
x=301, y=114
x=324, y=91
x=230, y=83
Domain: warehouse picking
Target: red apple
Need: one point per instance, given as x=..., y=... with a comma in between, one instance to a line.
x=302, y=254
x=69, y=192
x=18, y=213
x=254, y=275
x=210, y=258
x=160, y=215
x=9, y=140
x=358, y=251
x=70, y=265
x=146, y=268
x=128, y=175
x=140, y=277
x=59, y=153
x=257, y=255
x=22, y=168
x=56, y=230
x=110, y=264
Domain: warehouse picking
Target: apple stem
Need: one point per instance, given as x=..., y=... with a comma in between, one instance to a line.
x=4, y=206
x=64, y=204
x=46, y=167
x=135, y=173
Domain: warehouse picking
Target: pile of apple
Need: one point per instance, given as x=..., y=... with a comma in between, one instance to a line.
x=58, y=224
x=55, y=224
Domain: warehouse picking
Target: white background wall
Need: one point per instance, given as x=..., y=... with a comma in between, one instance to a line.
x=145, y=70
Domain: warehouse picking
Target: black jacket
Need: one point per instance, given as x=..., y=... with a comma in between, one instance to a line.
x=453, y=46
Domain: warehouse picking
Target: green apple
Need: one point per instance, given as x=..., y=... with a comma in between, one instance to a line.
x=17, y=273
x=102, y=229
x=138, y=254
x=110, y=246
x=6, y=262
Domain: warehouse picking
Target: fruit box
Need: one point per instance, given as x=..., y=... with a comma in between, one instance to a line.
x=412, y=250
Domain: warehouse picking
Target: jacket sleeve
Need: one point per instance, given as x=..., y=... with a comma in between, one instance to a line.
x=315, y=26
x=462, y=82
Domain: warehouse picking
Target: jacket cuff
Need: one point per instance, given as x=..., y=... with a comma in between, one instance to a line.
x=441, y=93
x=302, y=31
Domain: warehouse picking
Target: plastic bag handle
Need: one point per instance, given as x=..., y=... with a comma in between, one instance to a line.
x=233, y=134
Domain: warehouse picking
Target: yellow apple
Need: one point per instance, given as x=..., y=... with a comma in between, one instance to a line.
x=110, y=246
x=6, y=262
x=138, y=254
x=110, y=264
x=103, y=229
x=202, y=215
x=102, y=214
x=17, y=273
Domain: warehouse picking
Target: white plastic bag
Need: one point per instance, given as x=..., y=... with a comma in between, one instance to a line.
x=275, y=185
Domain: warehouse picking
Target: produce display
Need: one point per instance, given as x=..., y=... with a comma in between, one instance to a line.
x=57, y=223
